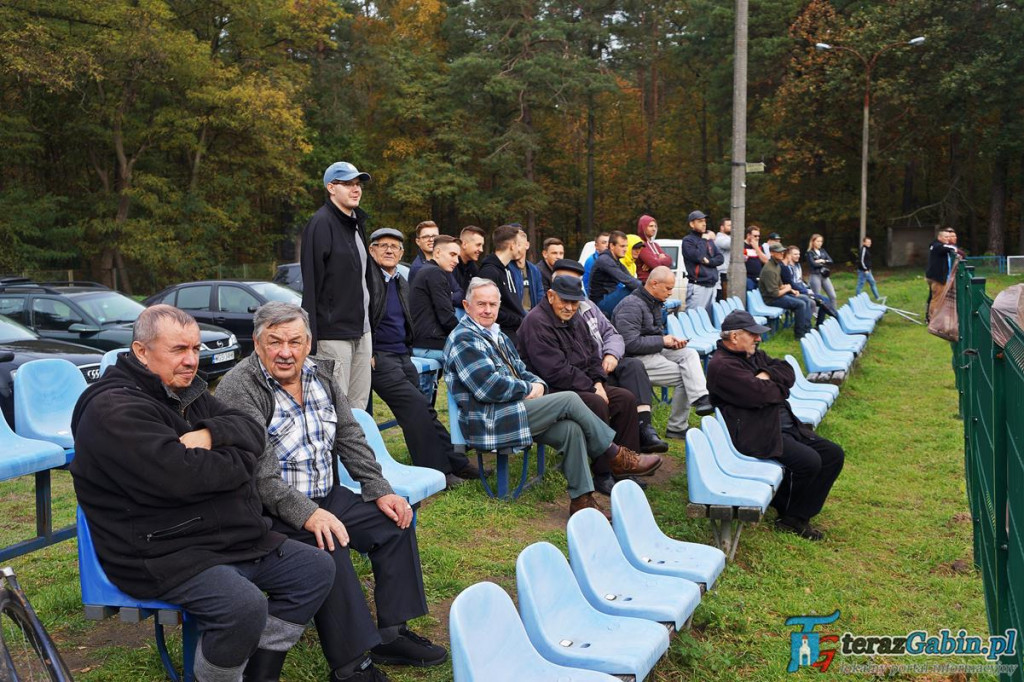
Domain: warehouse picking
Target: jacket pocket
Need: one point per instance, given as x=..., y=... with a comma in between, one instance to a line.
x=173, y=531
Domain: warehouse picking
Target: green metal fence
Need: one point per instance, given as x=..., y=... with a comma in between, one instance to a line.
x=990, y=380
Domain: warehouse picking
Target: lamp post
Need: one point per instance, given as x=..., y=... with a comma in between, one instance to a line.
x=869, y=64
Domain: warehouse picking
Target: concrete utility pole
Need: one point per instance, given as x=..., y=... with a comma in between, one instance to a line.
x=738, y=203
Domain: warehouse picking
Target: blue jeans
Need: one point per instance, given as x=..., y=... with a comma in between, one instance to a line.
x=866, y=276
x=801, y=308
x=608, y=303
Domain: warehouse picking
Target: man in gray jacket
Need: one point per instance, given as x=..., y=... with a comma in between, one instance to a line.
x=310, y=427
x=667, y=359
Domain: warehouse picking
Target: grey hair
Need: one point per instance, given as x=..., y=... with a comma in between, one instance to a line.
x=726, y=335
x=478, y=283
x=278, y=312
x=145, y=329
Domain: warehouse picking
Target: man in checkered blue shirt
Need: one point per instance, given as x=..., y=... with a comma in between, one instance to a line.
x=310, y=427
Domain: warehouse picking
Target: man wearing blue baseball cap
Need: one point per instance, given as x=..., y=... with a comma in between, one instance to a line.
x=336, y=284
x=701, y=258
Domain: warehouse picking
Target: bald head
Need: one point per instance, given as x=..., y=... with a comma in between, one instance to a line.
x=660, y=283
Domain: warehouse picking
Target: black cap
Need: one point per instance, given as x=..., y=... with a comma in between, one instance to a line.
x=741, y=319
x=568, y=288
x=774, y=235
x=567, y=264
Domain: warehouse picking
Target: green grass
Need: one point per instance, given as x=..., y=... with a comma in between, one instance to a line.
x=897, y=520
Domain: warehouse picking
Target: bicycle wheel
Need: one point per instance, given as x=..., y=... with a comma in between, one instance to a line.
x=26, y=651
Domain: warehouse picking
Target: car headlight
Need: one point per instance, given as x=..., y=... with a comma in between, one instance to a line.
x=233, y=340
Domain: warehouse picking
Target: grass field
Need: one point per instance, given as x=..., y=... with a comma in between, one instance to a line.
x=898, y=555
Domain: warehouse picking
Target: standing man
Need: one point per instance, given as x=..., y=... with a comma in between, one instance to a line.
x=610, y=281
x=167, y=477
x=509, y=243
x=864, y=269
x=651, y=255
x=553, y=250
x=754, y=256
x=394, y=377
x=337, y=285
x=310, y=429
x=942, y=254
x=527, y=275
x=773, y=238
x=472, y=238
x=781, y=295
x=701, y=258
x=667, y=359
x=600, y=246
x=723, y=240
x=751, y=388
x=426, y=233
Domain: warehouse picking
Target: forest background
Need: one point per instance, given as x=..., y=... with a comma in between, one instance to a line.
x=149, y=141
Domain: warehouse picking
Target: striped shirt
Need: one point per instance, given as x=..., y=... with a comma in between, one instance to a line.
x=303, y=435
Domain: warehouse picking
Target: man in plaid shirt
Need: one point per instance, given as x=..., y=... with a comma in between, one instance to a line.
x=310, y=427
x=503, y=405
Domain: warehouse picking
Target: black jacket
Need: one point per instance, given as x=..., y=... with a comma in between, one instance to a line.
x=608, y=273
x=940, y=256
x=818, y=259
x=159, y=512
x=379, y=303
x=511, y=312
x=751, y=406
x=433, y=315
x=563, y=354
x=864, y=261
x=695, y=249
x=332, y=275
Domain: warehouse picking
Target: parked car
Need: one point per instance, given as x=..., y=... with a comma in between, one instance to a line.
x=19, y=345
x=228, y=304
x=672, y=247
x=290, y=274
x=93, y=315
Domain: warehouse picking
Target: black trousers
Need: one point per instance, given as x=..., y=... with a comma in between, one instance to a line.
x=619, y=413
x=396, y=381
x=812, y=465
x=631, y=375
x=344, y=622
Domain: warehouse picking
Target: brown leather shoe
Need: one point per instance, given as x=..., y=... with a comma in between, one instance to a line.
x=587, y=501
x=629, y=463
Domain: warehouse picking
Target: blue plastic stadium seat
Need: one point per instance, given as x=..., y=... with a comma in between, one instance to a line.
x=45, y=393
x=679, y=326
x=852, y=324
x=708, y=484
x=872, y=305
x=110, y=358
x=429, y=371
x=861, y=308
x=836, y=339
x=489, y=642
x=21, y=456
x=757, y=306
x=731, y=462
x=809, y=412
x=650, y=550
x=818, y=358
x=102, y=598
x=613, y=585
x=692, y=323
x=567, y=630
x=413, y=483
x=828, y=392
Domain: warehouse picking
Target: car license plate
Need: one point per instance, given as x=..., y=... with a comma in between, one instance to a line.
x=224, y=357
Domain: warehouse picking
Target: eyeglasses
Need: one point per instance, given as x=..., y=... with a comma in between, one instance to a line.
x=388, y=248
x=347, y=183
x=427, y=237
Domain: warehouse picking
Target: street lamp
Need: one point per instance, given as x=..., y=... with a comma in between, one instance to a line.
x=869, y=64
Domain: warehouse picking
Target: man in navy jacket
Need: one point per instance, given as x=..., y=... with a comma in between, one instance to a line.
x=701, y=258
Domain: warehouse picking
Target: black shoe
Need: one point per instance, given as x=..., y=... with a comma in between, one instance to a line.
x=649, y=441
x=452, y=481
x=470, y=472
x=703, y=406
x=603, y=483
x=368, y=672
x=791, y=524
x=409, y=649
x=675, y=435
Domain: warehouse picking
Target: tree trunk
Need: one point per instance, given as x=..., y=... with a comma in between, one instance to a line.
x=997, y=207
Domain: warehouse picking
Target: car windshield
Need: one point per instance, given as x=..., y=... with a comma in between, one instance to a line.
x=109, y=306
x=276, y=292
x=12, y=331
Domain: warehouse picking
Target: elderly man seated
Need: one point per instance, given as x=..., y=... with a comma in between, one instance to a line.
x=751, y=389
x=310, y=429
x=777, y=293
x=165, y=473
x=503, y=405
x=668, y=361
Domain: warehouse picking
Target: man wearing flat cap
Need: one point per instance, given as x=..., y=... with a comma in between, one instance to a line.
x=701, y=258
x=751, y=388
x=336, y=283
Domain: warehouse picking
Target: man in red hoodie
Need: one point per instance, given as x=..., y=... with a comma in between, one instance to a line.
x=651, y=255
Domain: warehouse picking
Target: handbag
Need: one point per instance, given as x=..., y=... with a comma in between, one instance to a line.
x=825, y=272
x=945, y=323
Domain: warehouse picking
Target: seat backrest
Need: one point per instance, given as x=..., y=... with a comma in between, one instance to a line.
x=486, y=633
x=734, y=303
x=593, y=548
x=45, y=393
x=719, y=309
x=702, y=472
x=691, y=323
x=373, y=437
x=547, y=588
x=676, y=327
x=718, y=437
x=632, y=517
x=703, y=322
x=453, y=416
x=754, y=301
x=110, y=358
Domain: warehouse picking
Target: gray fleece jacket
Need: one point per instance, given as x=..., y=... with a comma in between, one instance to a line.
x=245, y=389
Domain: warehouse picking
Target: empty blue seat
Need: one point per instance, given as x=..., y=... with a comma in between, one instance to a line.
x=861, y=308
x=872, y=305
x=722, y=308
x=708, y=484
x=411, y=482
x=679, y=326
x=820, y=359
x=489, y=642
x=110, y=358
x=567, y=630
x=45, y=393
x=650, y=550
x=757, y=306
x=702, y=322
x=806, y=411
x=613, y=585
x=828, y=392
x=836, y=339
x=691, y=320
x=101, y=598
x=852, y=324
x=731, y=462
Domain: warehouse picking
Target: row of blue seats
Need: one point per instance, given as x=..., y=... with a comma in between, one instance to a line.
x=606, y=611
x=837, y=342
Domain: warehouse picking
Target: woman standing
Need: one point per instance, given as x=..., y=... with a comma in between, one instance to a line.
x=820, y=262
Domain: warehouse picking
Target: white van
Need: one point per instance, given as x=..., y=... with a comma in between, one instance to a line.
x=673, y=248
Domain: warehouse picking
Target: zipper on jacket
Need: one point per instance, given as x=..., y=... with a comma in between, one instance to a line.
x=167, y=532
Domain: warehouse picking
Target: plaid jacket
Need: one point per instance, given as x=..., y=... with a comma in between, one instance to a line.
x=488, y=390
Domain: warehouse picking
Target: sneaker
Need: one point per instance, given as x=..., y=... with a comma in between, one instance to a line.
x=703, y=406
x=649, y=441
x=368, y=672
x=409, y=649
x=791, y=524
x=587, y=501
x=603, y=483
x=628, y=463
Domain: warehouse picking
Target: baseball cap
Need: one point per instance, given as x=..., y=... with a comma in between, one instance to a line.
x=386, y=232
x=343, y=170
x=696, y=215
x=774, y=235
x=741, y=319
x=776, y=248
x=568, y=288
x=568, y=264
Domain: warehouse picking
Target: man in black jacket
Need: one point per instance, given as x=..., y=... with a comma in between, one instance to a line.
x=942, y=253
x=166, y=476
x=864, y=269
x=751, y=388
x=509, y=244
x=336, y=284
x=433, y=315
x=394, y=378
x=701, y=258
x=609, y=273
